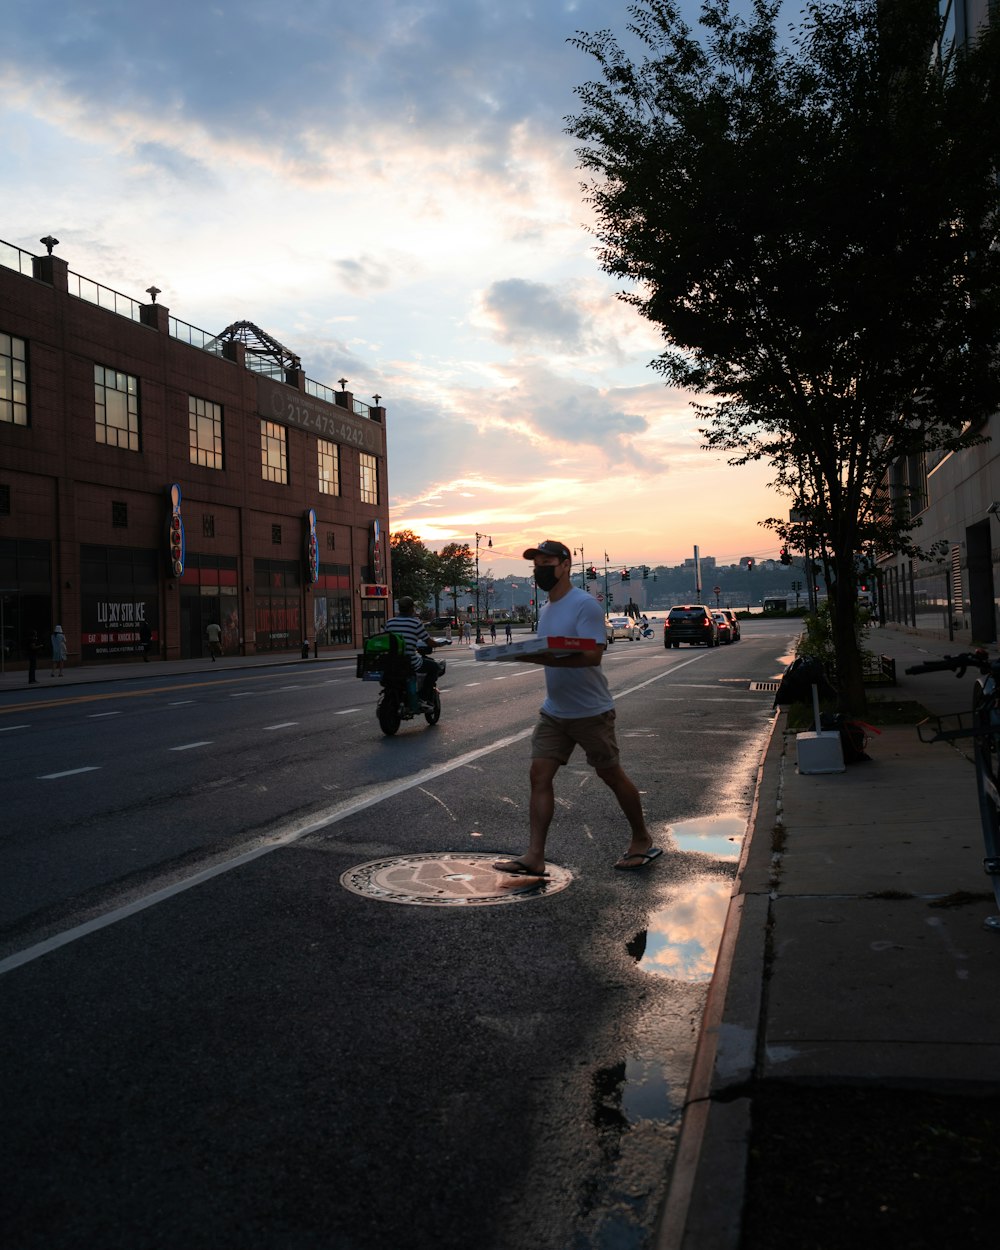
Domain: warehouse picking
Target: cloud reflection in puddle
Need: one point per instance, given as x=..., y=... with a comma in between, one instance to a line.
x=682, y=939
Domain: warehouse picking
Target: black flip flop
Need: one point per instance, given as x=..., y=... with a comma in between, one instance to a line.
x=518, y=868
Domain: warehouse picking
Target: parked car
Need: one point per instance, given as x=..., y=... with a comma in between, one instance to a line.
x=724, y=624
x=609, y=630
x=733, y=622
x=624, y=627
x=693, y=623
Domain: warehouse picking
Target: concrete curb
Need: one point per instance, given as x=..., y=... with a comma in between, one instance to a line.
x=704, y=1206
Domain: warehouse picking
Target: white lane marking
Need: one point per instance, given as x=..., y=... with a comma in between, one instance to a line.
x=287, y=724
x=331, y=817
x=190, y=746
x=347, y=711
x=102, y=715
x=7, y=728
x=70, y=772
x=289, y=688
x=180, y=703
x=243, y=694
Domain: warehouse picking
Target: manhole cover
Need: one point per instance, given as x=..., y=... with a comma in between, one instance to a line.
x=446, y=880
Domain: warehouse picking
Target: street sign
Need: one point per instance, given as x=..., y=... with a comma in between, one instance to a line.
x=600, y=596
x=716, y=590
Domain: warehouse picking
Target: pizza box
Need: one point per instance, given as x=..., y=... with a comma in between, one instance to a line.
x=553, y=645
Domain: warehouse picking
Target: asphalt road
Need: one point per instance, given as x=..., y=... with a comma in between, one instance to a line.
x=209, y=1041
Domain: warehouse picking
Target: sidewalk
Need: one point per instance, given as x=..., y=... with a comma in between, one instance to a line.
x=841, y=981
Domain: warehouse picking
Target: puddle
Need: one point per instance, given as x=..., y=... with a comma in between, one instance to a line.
x=718, y=836
x=681, y=940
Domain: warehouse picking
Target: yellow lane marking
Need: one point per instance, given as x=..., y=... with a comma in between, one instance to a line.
x=70, y=700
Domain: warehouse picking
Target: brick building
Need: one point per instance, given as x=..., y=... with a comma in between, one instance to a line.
x=150, y=471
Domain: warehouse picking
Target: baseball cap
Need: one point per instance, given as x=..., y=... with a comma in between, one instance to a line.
x=548, y=548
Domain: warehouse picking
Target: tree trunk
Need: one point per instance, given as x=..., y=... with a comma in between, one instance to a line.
x=843, y=622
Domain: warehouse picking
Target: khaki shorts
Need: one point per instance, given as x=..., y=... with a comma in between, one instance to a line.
x=554, y=739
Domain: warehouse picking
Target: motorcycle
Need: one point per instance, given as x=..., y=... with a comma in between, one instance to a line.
x=384, y=660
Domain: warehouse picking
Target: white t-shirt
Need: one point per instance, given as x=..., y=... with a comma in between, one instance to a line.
x=575, y=692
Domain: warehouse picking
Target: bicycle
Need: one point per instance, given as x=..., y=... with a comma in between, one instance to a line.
x=982, y=725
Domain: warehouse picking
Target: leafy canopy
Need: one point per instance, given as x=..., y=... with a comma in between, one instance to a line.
x=813, y=225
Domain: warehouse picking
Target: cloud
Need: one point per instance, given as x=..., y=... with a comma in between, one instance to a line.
x=531, y=312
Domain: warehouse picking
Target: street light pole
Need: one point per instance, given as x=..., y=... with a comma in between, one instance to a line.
x=479, y=627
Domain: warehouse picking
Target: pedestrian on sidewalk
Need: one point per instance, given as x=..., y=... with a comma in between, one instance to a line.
x=214, y=632
x=578, y=711
x=507, y=634
x=32, y=647
x=58, y=650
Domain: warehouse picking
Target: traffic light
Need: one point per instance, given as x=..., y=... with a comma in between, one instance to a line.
x=784, y=557
x=626, y=575
x=749, y=564
x=591, y=573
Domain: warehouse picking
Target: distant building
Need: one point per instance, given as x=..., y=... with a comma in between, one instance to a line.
x=957, y=494
x=153, y=472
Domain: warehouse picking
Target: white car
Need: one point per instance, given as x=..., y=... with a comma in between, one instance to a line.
x=624, y=627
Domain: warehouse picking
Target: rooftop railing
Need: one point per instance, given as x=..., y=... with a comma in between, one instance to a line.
x=16, y=258
x=104, y=297
x=190, y=334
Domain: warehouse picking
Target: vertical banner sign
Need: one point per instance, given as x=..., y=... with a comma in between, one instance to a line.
x=312, y=548
x=175, y=533
x=375, y=553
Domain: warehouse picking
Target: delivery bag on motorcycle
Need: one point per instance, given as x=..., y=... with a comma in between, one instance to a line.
x=384, y=655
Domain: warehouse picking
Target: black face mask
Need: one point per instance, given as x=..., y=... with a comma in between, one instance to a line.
x=546, y=576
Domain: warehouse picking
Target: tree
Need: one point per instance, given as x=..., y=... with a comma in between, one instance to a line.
x=812, y=224
x=454, y=566
x=410, y=560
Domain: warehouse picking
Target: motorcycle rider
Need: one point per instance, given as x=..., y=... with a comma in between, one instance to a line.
x=414, y=634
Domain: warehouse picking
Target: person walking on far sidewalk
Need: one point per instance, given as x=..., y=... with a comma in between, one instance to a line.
x=578, y=711
x=145, y=638
x=31, y=650
x=214, y=632
x=58, y=650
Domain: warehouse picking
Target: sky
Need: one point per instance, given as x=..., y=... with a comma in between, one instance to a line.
x=386, y=188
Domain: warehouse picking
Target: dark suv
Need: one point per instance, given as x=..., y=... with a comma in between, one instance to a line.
x=692, y=623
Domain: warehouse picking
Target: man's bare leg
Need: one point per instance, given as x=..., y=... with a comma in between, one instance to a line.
x=541, y=808
x=629, y=800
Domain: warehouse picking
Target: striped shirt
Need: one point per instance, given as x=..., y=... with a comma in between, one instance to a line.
x=413, y=632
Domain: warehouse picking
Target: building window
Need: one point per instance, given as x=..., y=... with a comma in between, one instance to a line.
x=13, y=380
x=119, y=514
x=331, y=541
x=205, y=432
x=369, y=478
x=273, y=452
x=329, y=467
x=276, y=535
x=116, y=401
x=208, y=524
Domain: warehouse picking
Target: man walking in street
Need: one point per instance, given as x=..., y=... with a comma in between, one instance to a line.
x=578, y=711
